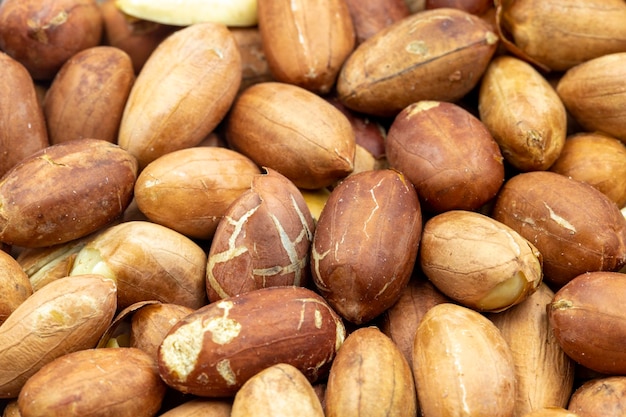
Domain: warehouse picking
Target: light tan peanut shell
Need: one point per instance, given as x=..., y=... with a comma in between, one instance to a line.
x=523, y=112
x=279, y=390
x=15, y=286
x=189, y=190
x=183, y=91
x=66, y=315
x=479, y=262
x=150, y=323
x=545, y=374
x=370, y=376
x=600, y=397
x=436, y=54
x=593, y=92
x=148, y=262
x=120, y=382
x=558, y=35
x=462, y=365
x=201, y=407
x=597, y=159
x=293, y=131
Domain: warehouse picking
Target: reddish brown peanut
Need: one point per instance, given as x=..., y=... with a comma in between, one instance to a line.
x=65, y=192
x=43, y=35
x=462, y=364
x=215, y=350
x=447, y=153
x=589, y=321
x=263, y=240
x=575, y=227
x=360, y=260
x=372, y=16
x=400, y=321
x=123, y=382
x=137, y=37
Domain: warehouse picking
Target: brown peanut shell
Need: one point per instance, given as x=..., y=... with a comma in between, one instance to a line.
x=88, y=95
x=575, y=227
x=263, y=240
x=437, y=54
x=215, y=350
x=111, y=381
x=366, y=242
x=65, y=192
x=67, y=315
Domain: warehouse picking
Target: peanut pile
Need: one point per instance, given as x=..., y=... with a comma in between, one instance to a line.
x=313, y=207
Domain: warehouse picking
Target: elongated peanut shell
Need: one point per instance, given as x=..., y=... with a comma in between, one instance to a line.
x=462, y=364
x=183, y=91
x=67, y=315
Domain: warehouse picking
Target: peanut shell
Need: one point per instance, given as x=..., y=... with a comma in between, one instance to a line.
x=370, y=376
x=279, y=390
x=306, y=41
x=440, y=53
x=462, y=365
x=293, y=131
x=88, y=95
x=523, y=113
x=67, y=315
x=22, y=128
x=183, y=91
x=94, y=382
x=148, y=262
x=215, y=350
x=189, y=190
x=360, y=260
x=574, y=226
x=479, y=262
x=263, y=240
x=587, y=316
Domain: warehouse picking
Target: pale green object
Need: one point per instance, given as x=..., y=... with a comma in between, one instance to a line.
x=238, y=13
